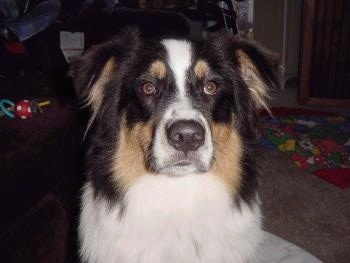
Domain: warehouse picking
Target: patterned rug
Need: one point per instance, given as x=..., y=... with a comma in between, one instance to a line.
x=318, y=142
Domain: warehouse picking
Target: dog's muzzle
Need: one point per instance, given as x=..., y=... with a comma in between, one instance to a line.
x=186, y=135
x=182, y=142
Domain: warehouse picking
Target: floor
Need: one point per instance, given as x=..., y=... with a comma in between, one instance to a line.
x=304, y=209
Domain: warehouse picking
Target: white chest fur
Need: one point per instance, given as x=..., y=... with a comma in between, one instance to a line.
x=169, y=220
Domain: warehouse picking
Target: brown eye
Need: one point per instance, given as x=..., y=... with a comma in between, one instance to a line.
x=210, y=88
x=148, y=88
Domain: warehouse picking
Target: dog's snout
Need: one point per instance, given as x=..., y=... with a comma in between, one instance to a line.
x=186, y=135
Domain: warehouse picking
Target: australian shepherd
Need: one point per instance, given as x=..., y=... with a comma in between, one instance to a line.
x=171, y=175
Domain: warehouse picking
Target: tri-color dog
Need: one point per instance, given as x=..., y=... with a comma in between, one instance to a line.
x=170, y=170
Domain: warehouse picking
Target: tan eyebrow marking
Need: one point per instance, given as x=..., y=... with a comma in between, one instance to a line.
x=158, y=69
x=201, y=69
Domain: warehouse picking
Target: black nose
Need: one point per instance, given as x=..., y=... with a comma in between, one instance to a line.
x=186, y=135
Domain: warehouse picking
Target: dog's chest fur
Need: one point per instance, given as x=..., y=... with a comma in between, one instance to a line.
x=185, y=219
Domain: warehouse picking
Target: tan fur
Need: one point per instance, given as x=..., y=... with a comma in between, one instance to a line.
x=227, y=154
x=201, y=69
x=252, y=77
x=96, y=93
x=158, y=69
x=95, y=96
x=128, y=162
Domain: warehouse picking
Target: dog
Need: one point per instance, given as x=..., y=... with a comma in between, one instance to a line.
x=171, y=175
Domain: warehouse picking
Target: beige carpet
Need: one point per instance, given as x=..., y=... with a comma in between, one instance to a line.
x=304, y=209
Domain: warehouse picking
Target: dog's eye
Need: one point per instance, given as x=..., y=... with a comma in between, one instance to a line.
x=148, y=88
x=210, y=88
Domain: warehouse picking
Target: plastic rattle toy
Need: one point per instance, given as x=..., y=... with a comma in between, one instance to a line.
x=23, y=109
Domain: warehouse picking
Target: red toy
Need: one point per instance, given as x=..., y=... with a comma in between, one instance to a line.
x=23, y=110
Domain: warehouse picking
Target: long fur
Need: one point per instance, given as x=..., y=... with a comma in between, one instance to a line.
x=145, y=201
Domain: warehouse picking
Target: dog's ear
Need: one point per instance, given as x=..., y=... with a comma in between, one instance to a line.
x=91, y=71
x=259, y=69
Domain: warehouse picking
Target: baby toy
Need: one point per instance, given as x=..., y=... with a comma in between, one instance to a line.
x=23, y=109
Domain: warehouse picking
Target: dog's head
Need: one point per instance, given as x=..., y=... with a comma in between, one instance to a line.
x=172, y=107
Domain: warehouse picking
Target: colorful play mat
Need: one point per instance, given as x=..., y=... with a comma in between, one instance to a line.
x=318, y=142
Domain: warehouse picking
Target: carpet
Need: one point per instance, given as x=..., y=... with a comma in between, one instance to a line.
x=318, y=142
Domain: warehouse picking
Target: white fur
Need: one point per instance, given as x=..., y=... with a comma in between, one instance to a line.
x=179, y=60
x=169, y=220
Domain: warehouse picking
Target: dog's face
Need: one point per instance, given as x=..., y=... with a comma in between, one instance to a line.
x=173, y=107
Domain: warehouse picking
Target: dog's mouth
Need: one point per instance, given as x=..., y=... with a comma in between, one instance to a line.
x=180, y=167
x=183, y=163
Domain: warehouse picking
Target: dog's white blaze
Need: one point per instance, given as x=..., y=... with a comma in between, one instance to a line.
x=182, y=219
x=179, y=60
